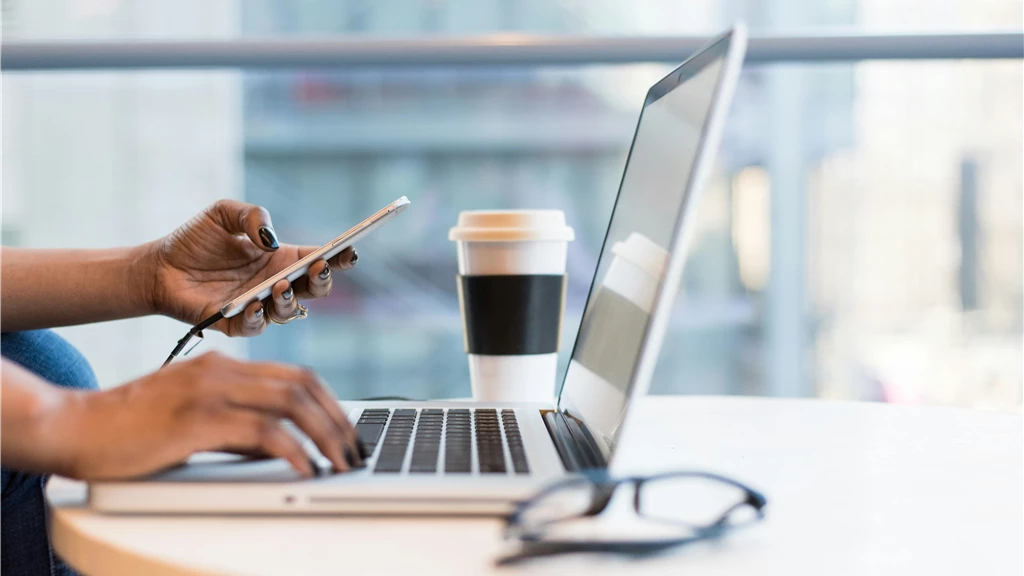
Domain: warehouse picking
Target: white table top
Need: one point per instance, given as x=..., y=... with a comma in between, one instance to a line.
x=852, y=489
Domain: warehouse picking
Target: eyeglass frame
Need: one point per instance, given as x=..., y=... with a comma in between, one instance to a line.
x=604, y=489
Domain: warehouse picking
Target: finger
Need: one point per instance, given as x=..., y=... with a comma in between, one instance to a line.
x=318, y=282
x=323, y=396
x=345, y=259
x=251, y=322
x=284, y=301
x=248, y=453
x=305, y=286
x=250, y=432
x=290, y=399
x=316, y=388
x=341, y=261
x=241, y=218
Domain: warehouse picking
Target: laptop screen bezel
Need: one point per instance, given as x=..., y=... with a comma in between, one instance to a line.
x=730, y=48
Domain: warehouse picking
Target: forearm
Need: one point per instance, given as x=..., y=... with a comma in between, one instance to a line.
x=27, y=442
x=48, y=288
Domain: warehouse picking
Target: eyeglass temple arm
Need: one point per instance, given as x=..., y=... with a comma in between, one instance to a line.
x=196, y=330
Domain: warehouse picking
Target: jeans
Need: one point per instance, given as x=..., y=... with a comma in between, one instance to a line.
x=24, y=543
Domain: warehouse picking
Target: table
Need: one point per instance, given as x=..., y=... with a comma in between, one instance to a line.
x=853, y=488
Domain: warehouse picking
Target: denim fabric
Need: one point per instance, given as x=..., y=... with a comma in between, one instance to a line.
x=24, y=543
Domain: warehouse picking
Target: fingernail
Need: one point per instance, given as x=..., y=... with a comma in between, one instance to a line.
x=287, y=294
x=326, y=272
x=363, y=453
x=268, y=237
x=258, y=313
x=355, y=256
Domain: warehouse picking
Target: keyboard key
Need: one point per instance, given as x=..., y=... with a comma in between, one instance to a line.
x=427, y=444
x=369, y=433
x=458, y=454
x=395, y=443
x=490, y=452
x=370, y=425
x=515, y=442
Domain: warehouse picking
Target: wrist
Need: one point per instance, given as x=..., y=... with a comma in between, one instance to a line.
x=52, y=422
x=77, y=431
x=143, y=262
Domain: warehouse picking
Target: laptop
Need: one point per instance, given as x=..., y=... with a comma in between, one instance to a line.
x=446, y=457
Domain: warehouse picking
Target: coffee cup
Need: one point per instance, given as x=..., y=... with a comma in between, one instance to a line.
x=511, y=287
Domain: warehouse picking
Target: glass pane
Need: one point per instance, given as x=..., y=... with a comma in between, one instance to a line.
x=861, y=238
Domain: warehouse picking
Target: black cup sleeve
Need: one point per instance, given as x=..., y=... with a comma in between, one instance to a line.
x=511, y=315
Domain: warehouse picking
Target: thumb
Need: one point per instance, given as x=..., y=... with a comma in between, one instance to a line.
x=253, y=221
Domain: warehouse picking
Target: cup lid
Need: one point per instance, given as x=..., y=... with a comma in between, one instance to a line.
x=511, y=226
x=644, y=253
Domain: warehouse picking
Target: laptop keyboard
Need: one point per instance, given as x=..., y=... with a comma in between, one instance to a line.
x=443, y=438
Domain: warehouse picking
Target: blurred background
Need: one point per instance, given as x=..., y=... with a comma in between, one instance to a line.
x=862, y=237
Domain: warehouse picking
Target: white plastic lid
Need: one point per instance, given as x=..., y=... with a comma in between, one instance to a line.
x=641, y=251
x=511, y=226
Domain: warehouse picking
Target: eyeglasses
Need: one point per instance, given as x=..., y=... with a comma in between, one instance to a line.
x=670, y=510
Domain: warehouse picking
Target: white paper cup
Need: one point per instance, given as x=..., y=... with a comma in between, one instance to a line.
x=512, y=297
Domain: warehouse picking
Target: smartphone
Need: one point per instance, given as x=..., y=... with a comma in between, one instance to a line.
x=325, y=252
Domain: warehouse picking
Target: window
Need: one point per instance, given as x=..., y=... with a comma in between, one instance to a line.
x=861, y=238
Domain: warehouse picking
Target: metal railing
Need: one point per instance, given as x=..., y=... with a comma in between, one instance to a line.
x=494, y=50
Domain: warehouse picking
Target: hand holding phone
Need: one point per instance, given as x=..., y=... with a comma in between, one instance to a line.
x=291, y=273
x=325, y=252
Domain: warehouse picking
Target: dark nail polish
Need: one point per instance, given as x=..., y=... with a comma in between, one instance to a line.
x=268, y=237
x=355, y=256
x=363, y=452
x=287, y=294
x=326, y=272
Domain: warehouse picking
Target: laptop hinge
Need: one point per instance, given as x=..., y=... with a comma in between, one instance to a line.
x=575, y=444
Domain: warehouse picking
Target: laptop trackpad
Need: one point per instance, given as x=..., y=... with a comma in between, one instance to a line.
x=221, y=467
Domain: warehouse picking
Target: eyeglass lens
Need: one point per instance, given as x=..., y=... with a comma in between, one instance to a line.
x=569, y=501
x=692, y=500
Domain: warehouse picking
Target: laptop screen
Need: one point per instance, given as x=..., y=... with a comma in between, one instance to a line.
x=633, y=260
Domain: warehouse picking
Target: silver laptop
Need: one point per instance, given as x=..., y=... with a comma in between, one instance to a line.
x=473, y=458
